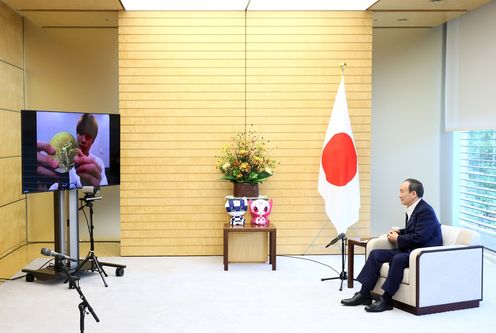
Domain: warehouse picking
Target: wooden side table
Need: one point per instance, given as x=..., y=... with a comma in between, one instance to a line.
x=362, y=242
x=248, y=227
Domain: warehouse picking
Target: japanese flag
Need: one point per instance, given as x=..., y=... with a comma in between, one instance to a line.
x=338, y=177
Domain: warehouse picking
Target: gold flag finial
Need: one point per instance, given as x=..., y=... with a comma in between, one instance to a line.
x=342, y=65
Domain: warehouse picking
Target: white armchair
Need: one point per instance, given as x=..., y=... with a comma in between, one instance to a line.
x=440, y=278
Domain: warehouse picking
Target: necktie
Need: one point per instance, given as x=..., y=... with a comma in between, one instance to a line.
x=406, y=219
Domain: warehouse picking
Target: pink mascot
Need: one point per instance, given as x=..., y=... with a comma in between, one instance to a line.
x=260, y=210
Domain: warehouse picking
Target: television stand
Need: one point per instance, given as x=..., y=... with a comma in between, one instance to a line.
x=59, y=206
x=44, y=274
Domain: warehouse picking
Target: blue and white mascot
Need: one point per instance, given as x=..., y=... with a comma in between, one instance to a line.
x=237, y=209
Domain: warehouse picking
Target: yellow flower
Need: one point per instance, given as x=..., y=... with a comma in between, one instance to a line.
x=257, y=160
x=268, y=170
x=244, y=167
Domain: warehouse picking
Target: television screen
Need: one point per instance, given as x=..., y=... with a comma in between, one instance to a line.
x=69, y=150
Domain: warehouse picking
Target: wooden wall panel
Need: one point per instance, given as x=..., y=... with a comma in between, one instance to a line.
x=11, y=87
x=10, y=125
x=12, y=202
x=292, y=77
x=11, y=49
x=181, y=93
x=10, y=178
x=13, y=226
x=189, y=80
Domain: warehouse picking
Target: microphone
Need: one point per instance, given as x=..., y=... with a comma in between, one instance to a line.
x=338, y=237
x=58, y=256
x=90, y=198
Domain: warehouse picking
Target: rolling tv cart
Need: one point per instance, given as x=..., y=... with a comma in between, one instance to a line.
x=57, y=270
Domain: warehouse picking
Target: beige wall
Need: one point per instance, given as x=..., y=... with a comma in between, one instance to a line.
x=407, y=122
x=182, y=96
x=72, y=69
x=282, y=115
x=12, y=201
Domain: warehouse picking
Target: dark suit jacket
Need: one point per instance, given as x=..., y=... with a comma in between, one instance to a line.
x=422, y=229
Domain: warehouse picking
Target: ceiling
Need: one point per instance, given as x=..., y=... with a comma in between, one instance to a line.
x=420, y=13
x=103, y=13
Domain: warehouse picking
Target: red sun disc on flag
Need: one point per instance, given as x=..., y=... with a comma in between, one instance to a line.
x=339, y=159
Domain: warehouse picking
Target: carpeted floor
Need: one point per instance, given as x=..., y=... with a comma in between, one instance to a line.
x=195, y=294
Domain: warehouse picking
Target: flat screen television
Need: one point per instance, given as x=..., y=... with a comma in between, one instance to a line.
x=69, y=150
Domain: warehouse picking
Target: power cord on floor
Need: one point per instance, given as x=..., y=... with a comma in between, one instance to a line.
x=2, y=279
x=312, y=260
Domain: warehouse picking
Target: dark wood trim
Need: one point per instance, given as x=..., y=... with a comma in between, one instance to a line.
x=79, y=27
x=362, y=242
x=410, y=27
x=419, y=10
x=436, y=308
x=69, y=10
x=482, y=274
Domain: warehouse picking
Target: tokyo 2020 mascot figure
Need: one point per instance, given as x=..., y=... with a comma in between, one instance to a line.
x=237, y=209
x=260, y=210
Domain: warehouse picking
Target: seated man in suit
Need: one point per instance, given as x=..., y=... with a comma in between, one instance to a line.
x=422, y=229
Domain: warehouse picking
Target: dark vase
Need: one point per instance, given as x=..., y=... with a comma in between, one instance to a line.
x=245, y=190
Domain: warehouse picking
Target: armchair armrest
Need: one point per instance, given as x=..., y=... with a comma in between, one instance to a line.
x=380, y=242
x=446, y=274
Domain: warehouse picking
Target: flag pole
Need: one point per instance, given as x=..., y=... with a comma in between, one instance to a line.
x=342, y=66
x=338, y=182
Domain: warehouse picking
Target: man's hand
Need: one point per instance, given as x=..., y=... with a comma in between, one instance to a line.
x=88, y=170
x=46, y=163
x=393, y=236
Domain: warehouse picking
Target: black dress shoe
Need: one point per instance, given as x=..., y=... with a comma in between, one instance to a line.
x=357, y=299
x=379, y=306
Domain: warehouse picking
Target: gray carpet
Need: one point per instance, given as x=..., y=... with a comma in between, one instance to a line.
x=195, y=294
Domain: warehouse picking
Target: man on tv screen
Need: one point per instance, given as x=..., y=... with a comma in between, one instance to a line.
x=84, y=168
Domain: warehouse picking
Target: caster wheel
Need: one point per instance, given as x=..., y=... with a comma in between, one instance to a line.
x=29, y=277
x=119, y=271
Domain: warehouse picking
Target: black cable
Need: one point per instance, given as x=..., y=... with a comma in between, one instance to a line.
x=86, y=218
x=83, y=206
x=46, y=263
x=312, y=260
x=12, y=279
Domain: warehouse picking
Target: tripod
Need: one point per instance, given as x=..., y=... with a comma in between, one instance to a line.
x=91, y=257
x=84, y=304
x=343, y=275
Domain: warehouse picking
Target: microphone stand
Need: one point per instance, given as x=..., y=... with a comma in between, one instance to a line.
x=343, y=275
x=84, y=304
x=91, y=259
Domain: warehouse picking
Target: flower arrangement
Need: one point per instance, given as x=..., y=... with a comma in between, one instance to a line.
x=246, y=159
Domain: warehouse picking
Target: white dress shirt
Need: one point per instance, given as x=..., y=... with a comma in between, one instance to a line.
x=409, y=210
